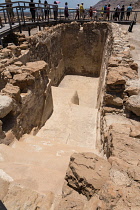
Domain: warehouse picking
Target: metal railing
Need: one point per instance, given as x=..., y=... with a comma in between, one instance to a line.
x=19, y=13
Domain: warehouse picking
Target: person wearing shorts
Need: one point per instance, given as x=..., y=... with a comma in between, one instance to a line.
x=129, y=10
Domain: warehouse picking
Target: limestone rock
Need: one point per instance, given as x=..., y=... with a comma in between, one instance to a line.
x=133, y=104
x=107, y=109
x=113, y=100
x=119, y=144
x=133, y=87
x=135, y=132
x=127, y=72
x=134, y=66
x=15, y=50
x=13, y=69
x=87, y=173
x=132, y=90
x=6, y=53
x=27, y=199
x=35, y=67
x=23, y=80
x=114, y=78
x=12, y=91
x=18, y=63
x=6, y=105
x=113, y=62
x=111, y=195
x=23, y=46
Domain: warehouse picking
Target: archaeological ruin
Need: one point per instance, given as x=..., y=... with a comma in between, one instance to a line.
x=69, y=120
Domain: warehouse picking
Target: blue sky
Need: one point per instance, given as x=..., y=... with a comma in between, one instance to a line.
x=71, y=3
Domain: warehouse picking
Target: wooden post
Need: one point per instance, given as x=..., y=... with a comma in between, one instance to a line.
x=4, y=16
x=29, y=31
x=18, y=20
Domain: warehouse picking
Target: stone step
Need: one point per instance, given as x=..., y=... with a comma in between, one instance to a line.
x=37, y=163
x=71, y=124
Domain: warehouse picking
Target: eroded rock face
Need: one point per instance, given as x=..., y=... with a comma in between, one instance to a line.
x=87, y=173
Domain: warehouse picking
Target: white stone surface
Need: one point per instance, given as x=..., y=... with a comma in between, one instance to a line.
x=6, y=105
x=40, y=162
x=5, y=176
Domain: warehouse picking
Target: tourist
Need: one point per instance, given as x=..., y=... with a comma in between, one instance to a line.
x=95, y=14
x=108, y=12
x=122, y=12
x=77, y=12
x=55, y=10
x=90, y=12
x=102, y=13
x=105, y=12
x=129, y=10
x=82, y=11
x=116, y=14
x=66, y=10
x=46, y=10
x=32, y=10
x=39, y=11
x=118, y=11
x=10, y=11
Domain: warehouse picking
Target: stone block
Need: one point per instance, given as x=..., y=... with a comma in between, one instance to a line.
x=87, y=173
x=12, y=91
x=6, y=105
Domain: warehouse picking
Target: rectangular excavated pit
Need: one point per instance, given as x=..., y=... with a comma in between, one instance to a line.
x=68, y=49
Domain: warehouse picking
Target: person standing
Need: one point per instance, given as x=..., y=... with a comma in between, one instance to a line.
x=66, y=11
x=10, y=10
x=91, y=12
x=108, y=12
x=105, y=12
x=77, y=12
x=82, y=11
x=122, y=12
x=129, y=10
x=118, y=11
x=39, y=10
x=32, y=10
x=55, y=10
x=46, y=10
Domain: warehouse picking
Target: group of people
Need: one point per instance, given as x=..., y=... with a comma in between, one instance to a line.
x=42, y=10
x=40, y=13
x=118, y=14
x=39, y=10
x=81, y=13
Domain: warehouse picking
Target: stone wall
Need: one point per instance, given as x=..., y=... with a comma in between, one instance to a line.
x=70, y=49
x=29, y=102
